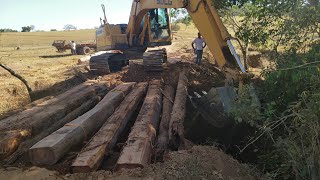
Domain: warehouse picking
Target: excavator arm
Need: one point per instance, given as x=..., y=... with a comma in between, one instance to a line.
x=204, y=16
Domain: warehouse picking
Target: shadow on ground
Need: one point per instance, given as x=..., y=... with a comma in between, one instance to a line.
x=56, y=56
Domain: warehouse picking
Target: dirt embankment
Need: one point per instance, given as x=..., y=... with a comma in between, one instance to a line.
x=200, y=162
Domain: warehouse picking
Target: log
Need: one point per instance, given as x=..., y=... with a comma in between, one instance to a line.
x=28, y=106
x=24, y=146
x=91, y=156
x=139, y=146
x=50, y=149
x=163, y=137
x=9, y=141
x=53, y=109
x=42, y=116
x=176, y=136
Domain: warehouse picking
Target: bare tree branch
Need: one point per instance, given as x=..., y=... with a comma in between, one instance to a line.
x=13, y=73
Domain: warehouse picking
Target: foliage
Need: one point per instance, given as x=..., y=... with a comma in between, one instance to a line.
x=33, y=27
x=7, y=30
x=227, y=3
x=69, y=27
x=246, y=109
x=296, y=150
x=289, y=116
x=26, y=29
x=53, y=29
x=274, y=24
x=180, y=16
x=288, y=125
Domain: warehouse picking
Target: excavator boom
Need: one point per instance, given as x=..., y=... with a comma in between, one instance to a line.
x=204, y=16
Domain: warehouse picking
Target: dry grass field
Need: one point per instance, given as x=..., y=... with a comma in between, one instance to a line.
x=36, y=39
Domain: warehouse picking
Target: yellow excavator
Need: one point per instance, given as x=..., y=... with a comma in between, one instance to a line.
x=149, y=26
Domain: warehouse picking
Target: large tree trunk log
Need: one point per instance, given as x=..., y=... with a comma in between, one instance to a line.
x=105, y=139
x=10, y=141
x=176, y=137
x=53, y=109
x=28, y=106
x=24, y=146
x=162, y=141
x=139, y=146
x=42, y=116
x=50, y=149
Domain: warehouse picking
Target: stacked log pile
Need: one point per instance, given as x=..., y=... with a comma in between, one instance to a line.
x=91, y=156
x=50, y=129
x=50, y=149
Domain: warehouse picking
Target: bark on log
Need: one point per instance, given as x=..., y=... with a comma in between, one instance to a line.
x=91, y=156
x=28, y=106
x=163, y=137
x=139, y=146
x=50, y=149
x=46, y=113
x=176, y=137
x=42, y=116
x=10, y=140
x=24, y=146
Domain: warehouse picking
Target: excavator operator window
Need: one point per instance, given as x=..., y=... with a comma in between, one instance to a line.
x=159, y=24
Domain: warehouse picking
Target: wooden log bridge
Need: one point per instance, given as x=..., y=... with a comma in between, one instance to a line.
x=50, y=149
x=139, y=146
x=91, y=156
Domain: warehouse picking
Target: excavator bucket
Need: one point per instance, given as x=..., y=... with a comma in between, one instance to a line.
x=215, y=105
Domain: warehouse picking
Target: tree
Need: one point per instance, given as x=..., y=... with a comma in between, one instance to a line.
x=69, y=27
x=8, y=30
x=26, y=29
x=53, y=29
x=180, y=16
x=32, y=27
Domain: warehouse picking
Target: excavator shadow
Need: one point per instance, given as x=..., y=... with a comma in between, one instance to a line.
x=56, y=56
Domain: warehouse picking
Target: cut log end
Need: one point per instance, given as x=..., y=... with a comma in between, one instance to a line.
x=42, y=156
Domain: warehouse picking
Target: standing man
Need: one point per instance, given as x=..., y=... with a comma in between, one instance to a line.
x=73, y=48
x=200, y=44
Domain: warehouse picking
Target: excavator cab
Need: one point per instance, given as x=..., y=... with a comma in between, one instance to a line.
x=159, y=27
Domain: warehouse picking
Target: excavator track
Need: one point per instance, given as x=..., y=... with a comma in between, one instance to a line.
x=99, y=64
x=153, y=60
x=106, y=63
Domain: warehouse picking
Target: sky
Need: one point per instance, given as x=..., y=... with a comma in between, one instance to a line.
x=54, y=14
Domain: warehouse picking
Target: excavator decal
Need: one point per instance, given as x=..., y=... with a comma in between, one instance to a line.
x=164, y=2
